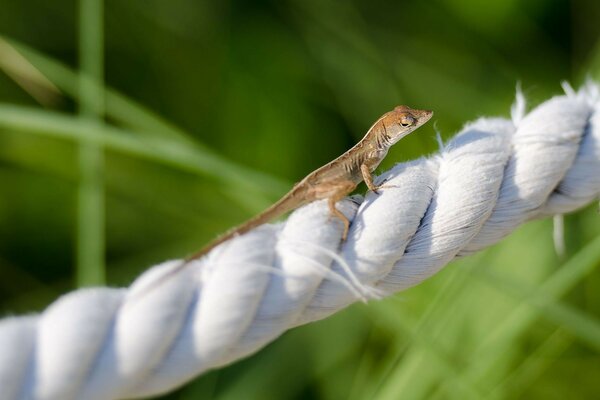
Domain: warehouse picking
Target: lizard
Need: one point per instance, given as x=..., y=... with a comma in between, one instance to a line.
x=333, y=181
x=338, y=178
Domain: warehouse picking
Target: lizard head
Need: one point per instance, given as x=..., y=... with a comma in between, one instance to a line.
x=401, y=121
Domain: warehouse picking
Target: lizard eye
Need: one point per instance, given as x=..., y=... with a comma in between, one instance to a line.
x=407, y=120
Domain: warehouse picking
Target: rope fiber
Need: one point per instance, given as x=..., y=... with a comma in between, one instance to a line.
x=106, y=343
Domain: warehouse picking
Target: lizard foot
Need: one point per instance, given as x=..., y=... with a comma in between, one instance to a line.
x=377, y=189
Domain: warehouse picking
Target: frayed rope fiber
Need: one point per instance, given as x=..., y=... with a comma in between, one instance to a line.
x=494, y=175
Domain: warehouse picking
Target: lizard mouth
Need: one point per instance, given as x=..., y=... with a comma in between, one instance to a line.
x=425, y=115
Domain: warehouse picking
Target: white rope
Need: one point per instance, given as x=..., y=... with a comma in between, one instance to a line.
x=496, y=174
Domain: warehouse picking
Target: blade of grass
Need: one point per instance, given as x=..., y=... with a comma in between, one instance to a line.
x=442, y=309
x=437, y=358
x=128, y=112
x=118, y=107
x=582, y=326
x=554, y=287
x=523, y=315
x=164, y=151
x=532, y=366
x=19, y=69
x=91, y=207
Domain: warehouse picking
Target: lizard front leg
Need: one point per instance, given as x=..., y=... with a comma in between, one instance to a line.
x=368, y=178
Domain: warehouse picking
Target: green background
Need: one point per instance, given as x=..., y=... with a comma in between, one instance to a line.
x=211, y=109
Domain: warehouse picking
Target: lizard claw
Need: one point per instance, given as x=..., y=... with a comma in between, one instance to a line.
x=377, y=189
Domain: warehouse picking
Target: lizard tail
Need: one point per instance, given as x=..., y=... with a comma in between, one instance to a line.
x=287, y=203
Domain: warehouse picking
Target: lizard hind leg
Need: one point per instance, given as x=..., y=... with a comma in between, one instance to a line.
x=340, y=191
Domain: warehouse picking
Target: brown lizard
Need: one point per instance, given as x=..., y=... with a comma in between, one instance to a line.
x=335, y=180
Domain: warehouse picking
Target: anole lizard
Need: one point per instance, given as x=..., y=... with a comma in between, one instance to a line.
x=335, y=180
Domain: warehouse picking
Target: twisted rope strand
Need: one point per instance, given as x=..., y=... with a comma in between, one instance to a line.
x=490, y=178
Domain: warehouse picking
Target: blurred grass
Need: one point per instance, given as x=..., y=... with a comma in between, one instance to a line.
x=208, y=112
x=90, y=199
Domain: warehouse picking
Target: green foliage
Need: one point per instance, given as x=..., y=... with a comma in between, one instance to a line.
x=212, y=109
